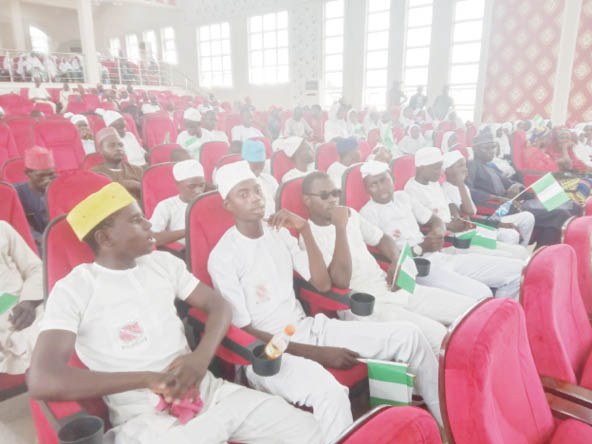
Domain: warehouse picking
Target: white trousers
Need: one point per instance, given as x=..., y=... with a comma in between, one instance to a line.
x=503, y=249
x=305, y=382
x=524, y=221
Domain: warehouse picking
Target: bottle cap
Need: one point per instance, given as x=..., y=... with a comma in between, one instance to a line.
x=289, y=330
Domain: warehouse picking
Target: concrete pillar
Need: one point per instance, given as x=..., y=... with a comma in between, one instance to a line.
x=354, y=45
x=483, y=62
x=440, y=49
x=565, y=60
x=396, y=41
x=87, y=39
x=18, y=29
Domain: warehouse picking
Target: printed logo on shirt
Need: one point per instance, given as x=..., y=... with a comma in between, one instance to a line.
x=397, y=233
x=261, y=293
x=131, y=335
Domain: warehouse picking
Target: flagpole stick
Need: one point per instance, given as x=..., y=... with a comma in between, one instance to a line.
x=399, y=261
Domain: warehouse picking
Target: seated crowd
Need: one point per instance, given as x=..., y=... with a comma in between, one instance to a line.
x=120, y=314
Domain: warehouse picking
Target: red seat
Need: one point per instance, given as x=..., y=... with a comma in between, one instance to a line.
x=91, y=160
x=490, y=392
x=393, y=425
x=92, y=101
x=209, y=155
x=63, y=139
x=326, y=155
x=577, y=233
x=45, y=108
x=13, y=170
x=71, y=187
x=229, y=158
x=557, y=322
x=130, y=125
x=11, y=385
x=158, y=184
x=21, y=128
x=155, y=128
x=403, y=169
x=365, y=149
x=280, y=165
x=12, y=211
x=162, y=153
x=267, y=144
x=8, y=149
x=354, y=194
x=76, y=107
x=520, y=156
x=373, y=137
x=96, y=123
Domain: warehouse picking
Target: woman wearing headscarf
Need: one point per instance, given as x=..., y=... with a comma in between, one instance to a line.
x=335, y=126
x=413, y=141
x=449, y=141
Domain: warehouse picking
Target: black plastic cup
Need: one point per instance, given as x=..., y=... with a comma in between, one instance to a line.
x=362, y=304
x=82, y=430
x=423, y=266
x=263, y=365
x=463, y=244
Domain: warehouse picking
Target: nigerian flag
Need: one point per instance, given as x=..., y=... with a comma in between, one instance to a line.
x=389, y=382
x=387, y=137
x=405, y=279
x=481, y=236
x=549, y=192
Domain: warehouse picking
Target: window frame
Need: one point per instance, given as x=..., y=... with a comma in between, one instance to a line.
x=262, y=50
x=200, y=57
x=166, y=52
x=366, y=92
x=329, y=94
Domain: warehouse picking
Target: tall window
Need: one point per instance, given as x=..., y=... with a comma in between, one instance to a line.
x=115, y=47
x=169, y=47
x=39, y=40
x=333, y=51
x=377, y=40
x=131, y=46
x=149, y=38
x=268, y=48
x=417, y=45
x=215, y=68
x=466, y=53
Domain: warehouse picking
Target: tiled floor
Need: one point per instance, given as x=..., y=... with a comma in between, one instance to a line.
x=16, y=422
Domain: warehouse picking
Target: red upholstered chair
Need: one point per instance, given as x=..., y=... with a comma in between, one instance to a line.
x=76, y=107
x=21, y=131
x=403, y=169
x=490, y=391
x=91, y=160
x=95, y=122
x=398, y=133
x=354, y=195
x=45, y=108
x=130, y=125
x=230, y=158
x=13, y=170
x=162, y=153
x=588, y=209
x=8, y=149
x=393, y=425
x=557, y=322
x=155, y=128
x=209, y=155
x=326, y=155
x=92, y=101
x=280, y=165
x=373, y=137
x=71, y=187
x=158, y=184
x=520, y=156
x=12, y=211
x=267, y=144
x=365, y=149
x=63, y=139
x=577, y=233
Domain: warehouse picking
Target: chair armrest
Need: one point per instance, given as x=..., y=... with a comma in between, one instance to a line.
x=563, y=409
x=566, y=390
x=57, y=414
x=378, y=255
x=359, y=423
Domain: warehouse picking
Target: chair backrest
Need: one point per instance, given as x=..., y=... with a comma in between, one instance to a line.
x=373, y=137
x=71, y=187
x=13, y=170
x=63, y=139
x=158, y=184
x=207, y=221
x=76, y=107
x=8, y=149
x=45, y=108
x=577, y=233
x=130, y=125
x=365, y=149
x=155, y=128
x=326, y=155
x=267, y=144
x=229, y=158
x=95, y=122
x=557, y=323
x=403, y=169
x=92, y=101
x=12, y=212
x=162, y=153
x=280, y=165
x=91, y=160
x=490, y=391
x=289, y=196
x=354, y=194
x=21, y=131
x=209, y=155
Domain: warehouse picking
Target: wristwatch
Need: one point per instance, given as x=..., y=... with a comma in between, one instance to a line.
x=417, y=250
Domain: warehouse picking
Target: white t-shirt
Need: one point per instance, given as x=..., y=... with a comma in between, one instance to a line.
x=269, y=186
x=243, y=133
x=335, y=128
x=430, y=196
x=335, y=171
x=88, y=146
x=148, y=108
x=294, y=173
x=124, y=320
x=39, y=93
x=213, y=136
x=453, y=195
x=398, y=218
x=256, y=277
x=299, y=128
x=367, y=276
x=583, y=152
x=133, y=151
x=191, y=143
x=169, y=215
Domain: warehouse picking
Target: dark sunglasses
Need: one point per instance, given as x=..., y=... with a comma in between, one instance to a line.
x=324, y=195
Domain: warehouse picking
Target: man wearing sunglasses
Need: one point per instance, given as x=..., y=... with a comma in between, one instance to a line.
x=343, y=238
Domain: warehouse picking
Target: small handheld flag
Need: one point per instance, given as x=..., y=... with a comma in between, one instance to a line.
x=549, y=192
x=406, y=270
x=481, y=236
x=390, y=382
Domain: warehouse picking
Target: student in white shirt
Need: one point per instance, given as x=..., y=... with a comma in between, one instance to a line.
x=133, y=151
x=246, y=130
x=512, y=227
x=300, y=152
x=189, y=138
x=168, y=219
x=151, y=107
x=297, y=126
x=118, y=313
x=38, y=93
x=335, y=126
x=253, y=151
x=343, y=238
x=209, y=133
x=349, y=153
x=252, y=266
x=88, y=141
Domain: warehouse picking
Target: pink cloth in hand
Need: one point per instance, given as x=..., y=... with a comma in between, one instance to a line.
x=185, y=410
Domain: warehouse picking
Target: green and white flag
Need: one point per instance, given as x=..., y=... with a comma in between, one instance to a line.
x=387, y=137
x=390, y=382
x=407, y=271
x=549, y=192
x=481, y=236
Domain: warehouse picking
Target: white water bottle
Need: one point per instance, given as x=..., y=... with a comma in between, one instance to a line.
x=279, y=343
